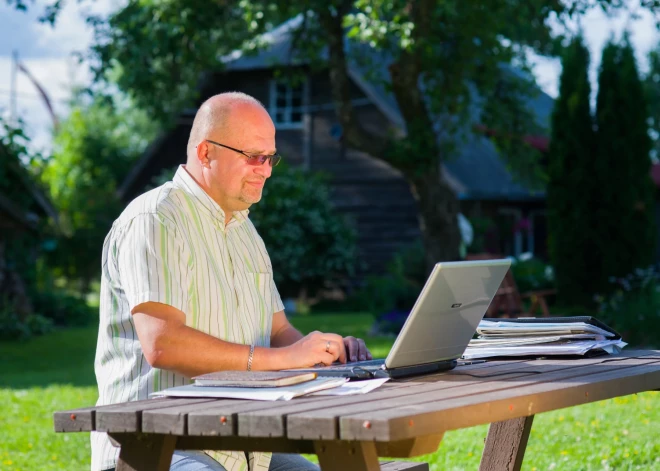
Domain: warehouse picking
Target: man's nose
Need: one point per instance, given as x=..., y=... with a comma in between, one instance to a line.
x=264, y=169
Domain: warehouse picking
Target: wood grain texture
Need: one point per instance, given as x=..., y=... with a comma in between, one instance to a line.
x=323, y=423
x=342, y=456
x=505, y=445
x=172, y=419
x=141, y=452
x=127, y=417
x=75, y=420
x=506, y=402
x=404, y=466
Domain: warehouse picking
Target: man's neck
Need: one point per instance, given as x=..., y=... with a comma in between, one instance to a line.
x=202, y=184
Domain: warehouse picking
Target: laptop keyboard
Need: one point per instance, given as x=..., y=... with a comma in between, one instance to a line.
x=367, y=364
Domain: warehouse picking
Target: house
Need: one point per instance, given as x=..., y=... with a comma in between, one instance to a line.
x=371, y=193
x=23, y=209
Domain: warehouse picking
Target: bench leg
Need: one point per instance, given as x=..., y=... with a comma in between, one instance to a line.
x=505, y=445
x=343, y=456
x=145, y=452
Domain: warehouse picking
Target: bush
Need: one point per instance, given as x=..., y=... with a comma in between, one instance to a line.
x=633, y=308
x=532, y=273
x=12, y=327
x=63, y=309
x=390, y=297
x=309, y=243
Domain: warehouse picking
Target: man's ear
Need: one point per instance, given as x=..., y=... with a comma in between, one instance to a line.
x=203, y=153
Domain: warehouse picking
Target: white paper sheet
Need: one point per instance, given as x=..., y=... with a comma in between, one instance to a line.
x=492, y=329
x=353, y=387
x=284, y=393
x=569, y=348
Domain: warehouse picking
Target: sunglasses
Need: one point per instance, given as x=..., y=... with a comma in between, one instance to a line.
x=253, y=159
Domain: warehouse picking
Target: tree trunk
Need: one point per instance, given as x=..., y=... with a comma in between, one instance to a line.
x=438, y=212
x=417, y=155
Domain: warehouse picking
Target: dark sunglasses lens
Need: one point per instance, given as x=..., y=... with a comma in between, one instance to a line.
x=261, y=159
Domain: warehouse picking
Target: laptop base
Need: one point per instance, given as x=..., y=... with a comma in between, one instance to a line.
x=372, y=371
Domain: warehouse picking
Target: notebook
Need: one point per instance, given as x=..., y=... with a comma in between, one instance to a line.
x=253, y=379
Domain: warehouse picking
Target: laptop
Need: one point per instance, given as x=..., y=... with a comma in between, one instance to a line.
x=437, y=331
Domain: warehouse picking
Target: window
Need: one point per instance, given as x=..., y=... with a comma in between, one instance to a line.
x=286, y=104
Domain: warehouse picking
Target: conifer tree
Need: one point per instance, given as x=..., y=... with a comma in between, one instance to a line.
x=571, y=188
x=624, y=208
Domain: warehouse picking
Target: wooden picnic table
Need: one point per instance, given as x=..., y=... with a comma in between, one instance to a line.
x=401, y=419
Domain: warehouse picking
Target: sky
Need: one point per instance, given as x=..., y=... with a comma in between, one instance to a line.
x=48, y=53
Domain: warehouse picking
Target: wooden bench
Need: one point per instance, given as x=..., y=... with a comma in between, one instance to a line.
x=508, y=301
x=401, y=419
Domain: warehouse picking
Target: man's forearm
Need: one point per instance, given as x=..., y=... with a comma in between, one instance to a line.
x=285, y=337
x=190, y=352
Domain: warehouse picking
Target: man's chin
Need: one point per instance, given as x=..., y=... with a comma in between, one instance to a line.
x=250, y=199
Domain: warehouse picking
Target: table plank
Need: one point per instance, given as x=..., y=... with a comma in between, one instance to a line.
x=324, y=422
x=223, y=418
x=75, y=420
x=127, y=417
x=272, y=421
x=437, y=416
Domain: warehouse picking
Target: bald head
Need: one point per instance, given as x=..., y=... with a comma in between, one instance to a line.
x=213, y=117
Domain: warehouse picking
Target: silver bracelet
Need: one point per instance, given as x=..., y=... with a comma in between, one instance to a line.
x=249, y=365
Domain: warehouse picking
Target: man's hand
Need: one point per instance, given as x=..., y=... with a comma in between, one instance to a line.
x=316, y=348
x=356, y=350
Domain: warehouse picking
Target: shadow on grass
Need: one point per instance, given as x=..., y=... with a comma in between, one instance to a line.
x=61, y=357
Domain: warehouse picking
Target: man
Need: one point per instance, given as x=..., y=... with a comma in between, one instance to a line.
x=187, y=285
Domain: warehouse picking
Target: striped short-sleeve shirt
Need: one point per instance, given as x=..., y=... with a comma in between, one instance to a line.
x=171, y=246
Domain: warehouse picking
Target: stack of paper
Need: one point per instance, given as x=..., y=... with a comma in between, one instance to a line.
x=282, y=393
x=539, y=338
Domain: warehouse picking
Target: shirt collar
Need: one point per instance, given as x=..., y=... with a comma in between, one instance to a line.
x=187, y=183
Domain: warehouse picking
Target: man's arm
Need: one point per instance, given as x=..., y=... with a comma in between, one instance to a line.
x=282, y=332
x=167, y=343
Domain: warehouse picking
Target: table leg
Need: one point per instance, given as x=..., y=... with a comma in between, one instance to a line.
x=505, y=445
x=144, y=452
x=343, y=456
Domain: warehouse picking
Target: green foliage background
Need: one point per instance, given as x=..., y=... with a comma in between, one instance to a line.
x=572, y=161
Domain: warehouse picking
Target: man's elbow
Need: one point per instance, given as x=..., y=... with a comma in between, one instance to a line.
x=157, y=358
x=159, y=351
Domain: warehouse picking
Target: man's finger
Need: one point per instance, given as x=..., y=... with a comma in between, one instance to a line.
x=362, y=350
x=352, y=348
x=334, y=349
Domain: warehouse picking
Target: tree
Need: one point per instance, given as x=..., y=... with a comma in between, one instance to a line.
x=652, y=88
x=94, y=149
x=625, y=200
x=447, y=60
x=441, y=54
x=572, y=189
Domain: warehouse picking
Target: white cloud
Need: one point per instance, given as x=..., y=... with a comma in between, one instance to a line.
x=48, y=54
x=598, y=28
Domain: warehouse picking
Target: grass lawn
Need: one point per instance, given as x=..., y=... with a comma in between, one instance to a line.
x=55, y=372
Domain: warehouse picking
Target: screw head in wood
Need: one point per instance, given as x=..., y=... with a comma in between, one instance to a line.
x=73, y=416
x=366, y=424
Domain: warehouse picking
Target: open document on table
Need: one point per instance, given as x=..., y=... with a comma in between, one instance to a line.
x=327, y=386
x=543, y=336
